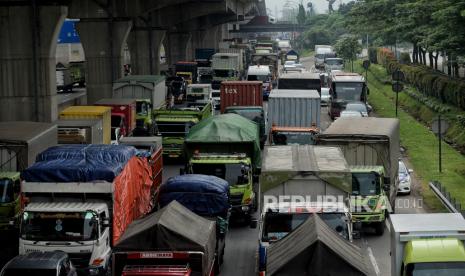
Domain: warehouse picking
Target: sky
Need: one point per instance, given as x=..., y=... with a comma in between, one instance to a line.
x=321, y=6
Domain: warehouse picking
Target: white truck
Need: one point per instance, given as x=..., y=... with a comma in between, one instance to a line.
x=80, y=200
x=427, y=244
x=321, y=52
x=226, y=67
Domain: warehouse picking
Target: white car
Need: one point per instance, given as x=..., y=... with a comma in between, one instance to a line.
x=358, y=106
x=289, y=64
x=405, y=179
x=325, y=96
x=350, y=113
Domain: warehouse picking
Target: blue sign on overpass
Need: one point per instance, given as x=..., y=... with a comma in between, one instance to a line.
x=68, y=33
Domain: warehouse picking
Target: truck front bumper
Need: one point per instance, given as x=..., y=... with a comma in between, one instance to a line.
x=368, y=217
x=93, y=270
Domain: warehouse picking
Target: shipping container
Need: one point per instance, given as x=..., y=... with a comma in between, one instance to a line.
x=91, y=112
x=123, y=114
x=293, y=108
x=20, y=142
x=139, y=87
x=80, y=131
x=241, y=93
x=240, y=52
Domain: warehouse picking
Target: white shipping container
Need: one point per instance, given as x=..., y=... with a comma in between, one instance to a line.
x=225, y=61
x=141, y=87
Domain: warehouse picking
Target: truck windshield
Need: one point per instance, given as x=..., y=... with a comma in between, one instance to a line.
x=116, y=121
x=263, y=78
x=142, y=108
x=349, y=91
x=436, y=269
x=59, y=226
x=304, y=84
x=29, y=272
x=365, y=184
x=224, y=73
x=6, y=191
x=234, y=174
x=334, y=61
x=278, y=225
x=288, y=138
x=174, y=129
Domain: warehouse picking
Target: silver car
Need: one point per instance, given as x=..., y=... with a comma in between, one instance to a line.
x=325, y=96
x=358, y=106
x=405, y=179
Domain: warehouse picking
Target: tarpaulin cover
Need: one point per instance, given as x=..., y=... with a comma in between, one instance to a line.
x=204, y=195
x=131, y=176
x=173, y=228
x=79, y=163
x=227, y=129
x=315, y=249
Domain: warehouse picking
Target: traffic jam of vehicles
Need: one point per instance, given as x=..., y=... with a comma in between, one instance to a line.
x=86, y=195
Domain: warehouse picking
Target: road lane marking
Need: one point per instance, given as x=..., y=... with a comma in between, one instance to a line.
x=373, y=260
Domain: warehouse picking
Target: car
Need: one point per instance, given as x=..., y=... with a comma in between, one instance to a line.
x=56, y=263
x=405, y=179
x=358, y=106
x=299, y=65
x=350, y=113
x=289, y=64
x=324, y=96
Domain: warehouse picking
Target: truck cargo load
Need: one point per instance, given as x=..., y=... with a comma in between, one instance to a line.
x=241, y=93
x=123, y=115
x=173, y=237
x=316, y=249
x=80, y=131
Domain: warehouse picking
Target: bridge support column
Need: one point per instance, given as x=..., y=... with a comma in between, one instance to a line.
x=144, y=46
x=211, y=39
x=28, y=36
x=177, y=45
x=103, y=45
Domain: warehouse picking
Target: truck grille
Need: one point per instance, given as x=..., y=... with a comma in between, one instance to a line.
x=236, y=199
x=80, y=260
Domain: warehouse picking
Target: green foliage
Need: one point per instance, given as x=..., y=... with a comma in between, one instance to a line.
x=301, y=16
x=372, y=54
x=348, y=47
x=405, y=58
x=322, y=29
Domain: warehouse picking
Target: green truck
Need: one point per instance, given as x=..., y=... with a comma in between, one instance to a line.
x=174, y=122
x=228, y=146
x=371, y=148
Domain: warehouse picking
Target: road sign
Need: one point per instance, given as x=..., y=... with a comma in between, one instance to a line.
x=397, y=87
x=443, y=126
x=366, y=64
x=398, y=75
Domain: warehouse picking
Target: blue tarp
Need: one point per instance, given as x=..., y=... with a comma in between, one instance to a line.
x=79, y=163
x=205, y=195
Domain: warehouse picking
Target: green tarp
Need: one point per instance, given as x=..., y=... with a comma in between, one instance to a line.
x=232, y=132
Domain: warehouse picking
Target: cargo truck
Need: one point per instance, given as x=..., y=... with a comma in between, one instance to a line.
x=321, y=51
x=226, y=67
x=203, y=57
x=123, y=115
x=227, y=146
x=300, y=81
x=371, y=147
x=206, y=196
x=261, y=73
x=80, y=200
x=80, y=131
x=149, y=91
x=296, y=182
x=241, y=93
x=91, y=112
x=187, y=70
x=173, y=241
x=173, y=124
x=241, y=53
x=343, y=88
x=20, y=142
x=201, y=93
x=270, y=60
x=253, y=113
x=427, y=244
x=293, y=116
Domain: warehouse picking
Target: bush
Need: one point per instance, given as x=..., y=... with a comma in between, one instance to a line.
x=405, y=58
x=372, y=54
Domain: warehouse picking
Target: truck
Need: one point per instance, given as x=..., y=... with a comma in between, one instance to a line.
x=123, y=115
x=292, y=55
x=241, y=93
x=427, y=244
x=227, y=146
x=149, y=91
x=293, y=116
x=253, y=113
x=226, y=66
x=345, y=87
x=20, y=142
x=40, y=263
x=201, y=93
x=187, y=70
x=270, y=60
x=296, y=182
x=371, y=147
x=172, y=241
x=80, y=131
x=174, y=122
x=284, y=46
x=261, y=73
x=242, y=57
x=333, y=64
x=321, y=51
x=92, y=112
x=80, y=200
x=206, y=196
x=203, y=57
x=300, y=81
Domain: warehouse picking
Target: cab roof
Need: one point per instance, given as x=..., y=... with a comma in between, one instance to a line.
x=434, y=250
x=346, y=77
x=9, y=175
x=300, y=75
x=37, y=260
x=361, y=169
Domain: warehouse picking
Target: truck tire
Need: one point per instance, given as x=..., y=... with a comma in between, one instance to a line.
x=379, y=228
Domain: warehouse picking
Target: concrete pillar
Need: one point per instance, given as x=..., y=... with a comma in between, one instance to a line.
x=28, y=38
x=177, y=44
x=144, y=46
x=103, y=46
x=211, y=40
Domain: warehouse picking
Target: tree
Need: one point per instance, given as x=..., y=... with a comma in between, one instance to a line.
x=348, y=48
x=301, y=16
x=330, y=6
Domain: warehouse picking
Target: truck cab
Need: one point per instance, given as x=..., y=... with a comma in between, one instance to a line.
x=292, y=135
x=345, y=88
x=10, y=205
x=144, y=123
x=261, y=73
x=369, y=198
x=200, y=93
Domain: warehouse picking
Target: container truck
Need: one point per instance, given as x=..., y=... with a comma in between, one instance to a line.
x=80, y=200
x=241, y=93
x=227, y=146
x=173, y=124
x=172, y=241
x=343, y=88
x=187, y=70
x=296, y=182
x=300, y=81
x=261, y=73
x=91, y=112
x=149, y=91
x=293, y=116
x=427, y=244
x=80, y=131
x=226, y=66
x=123, y=115
x=206, y=196
x=371, y=147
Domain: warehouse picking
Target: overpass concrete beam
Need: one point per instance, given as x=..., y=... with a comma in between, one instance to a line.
x=144, y=46
x=177, y=47
x=103, y=46
x=28, y=38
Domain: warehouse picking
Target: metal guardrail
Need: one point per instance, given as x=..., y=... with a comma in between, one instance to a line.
x=446, y=199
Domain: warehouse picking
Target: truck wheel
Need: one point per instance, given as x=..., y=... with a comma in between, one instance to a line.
x=379, y=228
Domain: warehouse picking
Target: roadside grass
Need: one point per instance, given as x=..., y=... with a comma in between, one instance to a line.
x=420, y=142
x=306, y=53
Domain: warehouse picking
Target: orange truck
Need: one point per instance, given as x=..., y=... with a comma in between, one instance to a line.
x=123, y=115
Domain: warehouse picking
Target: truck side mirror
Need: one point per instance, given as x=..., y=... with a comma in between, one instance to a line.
x=253, y=223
